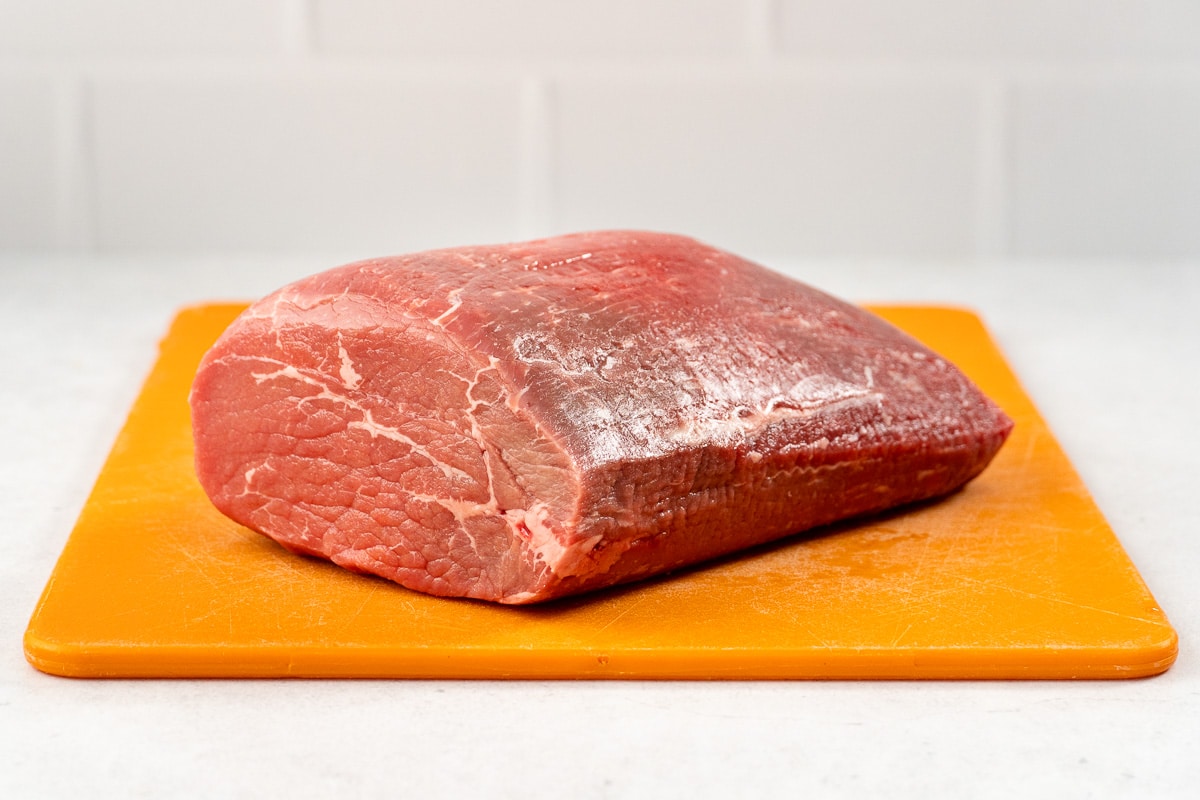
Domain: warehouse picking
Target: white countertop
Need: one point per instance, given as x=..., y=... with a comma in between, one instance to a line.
x=1110, y=353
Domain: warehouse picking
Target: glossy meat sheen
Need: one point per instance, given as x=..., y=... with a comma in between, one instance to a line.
x=520, y=422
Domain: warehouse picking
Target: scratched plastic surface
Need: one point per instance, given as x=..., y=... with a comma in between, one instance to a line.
x=1017, y=576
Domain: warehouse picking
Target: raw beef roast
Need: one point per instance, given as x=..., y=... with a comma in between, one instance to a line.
x=525, y=421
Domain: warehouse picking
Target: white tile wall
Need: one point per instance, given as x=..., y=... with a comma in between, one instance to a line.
x=70, y=29
x=1054, y=30
x=1109, y=170
x=377, y=165
x=796, y=166
x=28, y=170
x=893, y=128
x=524, y=29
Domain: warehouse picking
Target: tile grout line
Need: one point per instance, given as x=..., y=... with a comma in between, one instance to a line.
x=762, y=30
x=535, y=189
x=993, y=154
x=298, y=28
x=297, y=43
x=75, y=206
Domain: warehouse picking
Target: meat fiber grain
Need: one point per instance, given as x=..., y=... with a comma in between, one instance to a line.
x=520, y=422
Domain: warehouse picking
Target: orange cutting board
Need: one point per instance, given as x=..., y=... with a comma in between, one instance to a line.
x=1016, y=576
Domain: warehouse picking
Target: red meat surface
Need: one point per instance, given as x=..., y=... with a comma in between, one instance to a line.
x=525, y=421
